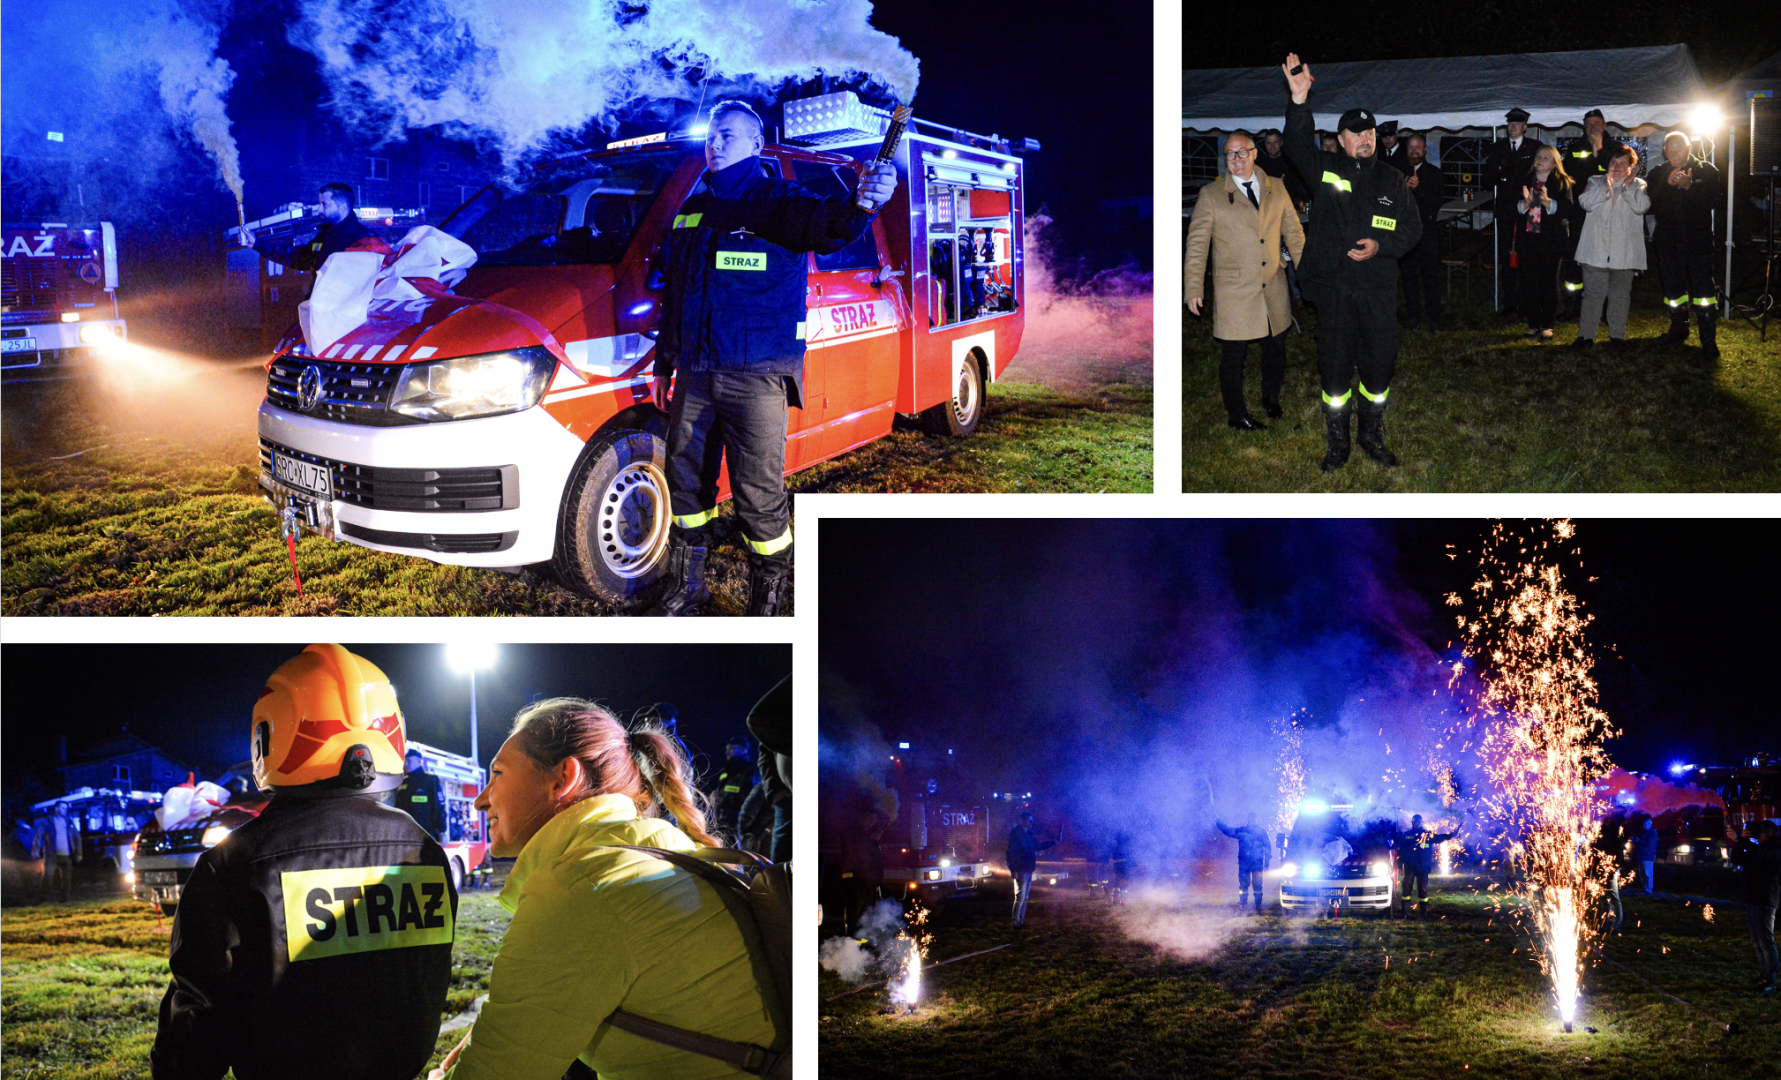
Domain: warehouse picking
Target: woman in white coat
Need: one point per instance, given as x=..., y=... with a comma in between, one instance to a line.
x=1612, y=247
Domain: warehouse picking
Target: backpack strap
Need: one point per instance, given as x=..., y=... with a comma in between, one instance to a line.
x=748, y=1058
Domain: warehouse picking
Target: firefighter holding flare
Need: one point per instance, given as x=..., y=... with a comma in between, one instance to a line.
x=732, y=337
x=316, y=939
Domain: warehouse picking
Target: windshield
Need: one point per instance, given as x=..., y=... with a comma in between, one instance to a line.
x=573, y=211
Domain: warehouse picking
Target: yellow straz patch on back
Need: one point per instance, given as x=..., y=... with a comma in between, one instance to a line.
x=741, y=260
x=688, y=221
x=363, y=909
x=1389, y=224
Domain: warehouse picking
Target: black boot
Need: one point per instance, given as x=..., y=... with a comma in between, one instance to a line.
x=767, y=585
x=683, y=587
x=1271, y=406
x=1335, y=422
x=1371, y=435
x=1678, y=331
x=1709, y=345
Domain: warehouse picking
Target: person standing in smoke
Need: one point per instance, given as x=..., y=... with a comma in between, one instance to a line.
x=1023, y=859
x=1252, y=859
x=862, y=868
x=1758, y=855
x=341, y=230
x=732, y=341
x=1645, y=853
x=1416, y=855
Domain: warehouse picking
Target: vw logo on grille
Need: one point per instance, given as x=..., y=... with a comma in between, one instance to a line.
x=309, y=387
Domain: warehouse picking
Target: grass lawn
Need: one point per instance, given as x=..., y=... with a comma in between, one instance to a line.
x=150, y=505
x=1480, y=408
x=1196, y=990
x=82, y=985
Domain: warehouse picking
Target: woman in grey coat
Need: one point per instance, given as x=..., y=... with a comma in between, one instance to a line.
x=1612, y=247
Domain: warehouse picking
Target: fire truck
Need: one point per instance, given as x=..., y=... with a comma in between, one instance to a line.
x=58, y=298
x=449, y=428
x=106, y=822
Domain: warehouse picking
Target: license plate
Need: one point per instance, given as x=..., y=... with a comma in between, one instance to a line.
x=19, y=344
x=966, y=871
x=1334, y=894
x=160, y=877
x=303, y=475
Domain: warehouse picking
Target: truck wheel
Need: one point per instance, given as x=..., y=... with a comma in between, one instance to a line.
x=457, y=875
x=613, y=531
x=958, y=415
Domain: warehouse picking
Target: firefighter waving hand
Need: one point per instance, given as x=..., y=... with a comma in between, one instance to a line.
x=316, y=939
x=1363, y=222
x=732, y=337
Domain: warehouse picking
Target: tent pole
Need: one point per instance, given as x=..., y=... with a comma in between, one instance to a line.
x=1731, y=187
x=1496, y=243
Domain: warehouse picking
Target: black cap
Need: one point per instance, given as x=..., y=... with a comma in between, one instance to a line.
x=1516, y=116
x=1390, y=127
x=1356, y=120
x=1597, y=113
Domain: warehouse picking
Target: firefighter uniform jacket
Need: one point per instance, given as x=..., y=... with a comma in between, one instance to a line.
x=1357, y=199
x=1417, y=849
x=735, y=272
x=310, y=254
x=422, y=797
x=729, y=790
x=1506, y=167
x=1252, y=845
x=1583, y=160
x=314, y=941
x=1685, y=216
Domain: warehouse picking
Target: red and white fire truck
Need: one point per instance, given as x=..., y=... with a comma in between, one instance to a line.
x=447, y=427
x=58, y=298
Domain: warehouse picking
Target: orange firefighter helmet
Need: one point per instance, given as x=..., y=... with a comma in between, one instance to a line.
x=328, y=717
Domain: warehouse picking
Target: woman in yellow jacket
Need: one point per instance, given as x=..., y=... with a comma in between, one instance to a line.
x=595, y=927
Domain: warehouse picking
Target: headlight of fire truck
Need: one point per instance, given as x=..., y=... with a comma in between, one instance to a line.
x=931, y=875
x=468, y=386
x=97, y=334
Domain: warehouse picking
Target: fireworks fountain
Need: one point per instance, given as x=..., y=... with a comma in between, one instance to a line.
x=1289, y=770
x=1543, y=737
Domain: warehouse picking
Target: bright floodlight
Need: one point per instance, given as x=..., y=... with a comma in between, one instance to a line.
x=470, y=656
x=1706, y=119
x=1678, y=769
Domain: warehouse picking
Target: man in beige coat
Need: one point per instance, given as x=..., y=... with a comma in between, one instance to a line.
x=1241, y=221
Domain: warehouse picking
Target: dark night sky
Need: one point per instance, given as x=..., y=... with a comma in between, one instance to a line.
x=194, y=701
x=1725, y=36
x=1055, y=637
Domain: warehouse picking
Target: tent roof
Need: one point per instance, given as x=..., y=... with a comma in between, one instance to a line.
x=1656, y=85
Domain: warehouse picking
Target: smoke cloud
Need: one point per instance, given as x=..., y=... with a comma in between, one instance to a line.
x=1083, y=334
x=522, y=75
x=104, y=100
x=874, y=948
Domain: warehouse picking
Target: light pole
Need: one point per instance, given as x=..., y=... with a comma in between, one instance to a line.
x=468, y=657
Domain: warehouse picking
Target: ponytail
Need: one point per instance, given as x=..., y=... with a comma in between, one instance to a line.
x=644, y=764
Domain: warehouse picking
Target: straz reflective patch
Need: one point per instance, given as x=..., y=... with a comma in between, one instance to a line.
x=363, y=909
x=688, y=221
x=741, y=260
x=1389, y=224
x=1332, y=178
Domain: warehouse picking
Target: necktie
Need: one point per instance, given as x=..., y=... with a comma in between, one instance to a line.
x=1249, y=190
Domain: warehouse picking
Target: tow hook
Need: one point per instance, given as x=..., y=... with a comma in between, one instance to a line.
x=290, y=526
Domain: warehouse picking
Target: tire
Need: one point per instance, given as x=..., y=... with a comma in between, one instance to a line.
x=612, y=535
x=457, y=875
x=959, y=415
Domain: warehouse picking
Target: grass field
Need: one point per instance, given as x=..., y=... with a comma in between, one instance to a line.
x=150, y=505
x=1456, y=994
x=1480, y=408
x=81, y=985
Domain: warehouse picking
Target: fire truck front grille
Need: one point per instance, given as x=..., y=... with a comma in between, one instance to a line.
x=458, y=543
x=28, y=287
x=182, y=842
x=453, y=491
x=351, y=393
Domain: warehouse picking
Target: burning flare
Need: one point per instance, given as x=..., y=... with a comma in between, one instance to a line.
x=1543, y=738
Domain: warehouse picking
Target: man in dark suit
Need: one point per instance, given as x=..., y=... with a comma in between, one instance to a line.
x=1506, y=164
x=1422, y=266
x=1391, y=147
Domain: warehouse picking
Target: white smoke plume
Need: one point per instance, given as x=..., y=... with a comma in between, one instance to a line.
x=520, y=75
x=872, y=949
x=194, y=82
